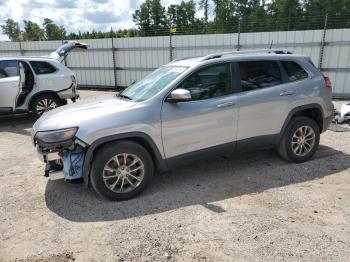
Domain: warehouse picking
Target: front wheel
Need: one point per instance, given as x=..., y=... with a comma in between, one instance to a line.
x=44, y=103
x=121, y=170
x=300, y=141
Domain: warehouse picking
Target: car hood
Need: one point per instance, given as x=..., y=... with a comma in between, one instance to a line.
x=75, y=115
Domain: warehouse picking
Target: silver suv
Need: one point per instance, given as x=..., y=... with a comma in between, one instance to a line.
x=192, y=107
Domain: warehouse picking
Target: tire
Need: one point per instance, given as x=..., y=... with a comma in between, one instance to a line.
x=300, y=140
x=111, y=175
x=44, y=103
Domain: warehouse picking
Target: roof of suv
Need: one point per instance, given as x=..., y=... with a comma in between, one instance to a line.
x=228, y=56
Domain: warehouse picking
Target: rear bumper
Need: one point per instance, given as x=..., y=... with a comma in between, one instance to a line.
x=69, y=93
x=327, y=122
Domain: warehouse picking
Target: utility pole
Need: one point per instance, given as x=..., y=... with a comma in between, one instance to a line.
x=323, y=42
x=239, y=35
x=114, y=60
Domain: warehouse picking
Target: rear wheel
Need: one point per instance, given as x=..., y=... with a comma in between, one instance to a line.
x=44, y=103
x=300, y=141
x=121, y=170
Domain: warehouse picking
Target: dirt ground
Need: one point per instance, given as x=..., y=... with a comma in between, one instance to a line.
x=252, y=207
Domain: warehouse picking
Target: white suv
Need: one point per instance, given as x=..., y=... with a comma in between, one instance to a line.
x=37, y=84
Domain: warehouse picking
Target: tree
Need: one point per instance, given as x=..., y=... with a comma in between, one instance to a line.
x=283, y=12
x=315, y=11
x=12, y=30
x=225, y=15
x=182, y=16
x=53, y=31
x=32, y=31
x=257, y=18
x=150, y=18
x=204, y=5
x=321, y=7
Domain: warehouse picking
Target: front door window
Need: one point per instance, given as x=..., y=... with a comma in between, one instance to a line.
x=210, y=82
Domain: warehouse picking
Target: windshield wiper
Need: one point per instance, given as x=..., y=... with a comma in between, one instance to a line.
x=124, y=96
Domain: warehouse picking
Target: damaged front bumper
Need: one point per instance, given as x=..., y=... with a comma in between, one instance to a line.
x=62, y=160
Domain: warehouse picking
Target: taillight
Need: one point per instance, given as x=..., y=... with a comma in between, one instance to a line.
x=328, y=82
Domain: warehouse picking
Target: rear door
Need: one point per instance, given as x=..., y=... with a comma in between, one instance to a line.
x=9, y=84
x=264, y=100
x=45, y=77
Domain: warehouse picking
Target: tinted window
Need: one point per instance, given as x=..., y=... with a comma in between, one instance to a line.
x=8, y=68
x=294, y=71
x=259, y=74
x=42, y=67
x=212, y=81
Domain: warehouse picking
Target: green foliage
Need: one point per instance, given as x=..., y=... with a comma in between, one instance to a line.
x=205, y=6
x=150, y=18
x=53, y=31
x=32, y=31
x=11, y=29
x=182, y=16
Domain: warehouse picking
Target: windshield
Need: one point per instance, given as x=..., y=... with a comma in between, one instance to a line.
x=153, y=83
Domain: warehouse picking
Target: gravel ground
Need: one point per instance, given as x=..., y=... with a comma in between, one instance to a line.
x=252, y=207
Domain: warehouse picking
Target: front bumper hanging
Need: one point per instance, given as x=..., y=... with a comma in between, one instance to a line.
x=62, y=161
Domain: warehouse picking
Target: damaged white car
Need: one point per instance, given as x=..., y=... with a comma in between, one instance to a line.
x=37, y=84
x=343, y=116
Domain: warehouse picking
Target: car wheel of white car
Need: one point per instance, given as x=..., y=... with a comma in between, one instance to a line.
x=44, y=103
x=121, y=170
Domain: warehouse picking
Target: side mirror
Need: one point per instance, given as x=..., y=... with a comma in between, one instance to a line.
x=179, y=95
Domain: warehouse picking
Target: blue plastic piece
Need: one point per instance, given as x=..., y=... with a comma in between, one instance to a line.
x=73, y=165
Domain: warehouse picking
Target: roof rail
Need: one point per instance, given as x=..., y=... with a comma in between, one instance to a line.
x=185, y=58
x=266, y=51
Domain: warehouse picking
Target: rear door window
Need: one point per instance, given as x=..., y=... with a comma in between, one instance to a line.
x=294, y=71
x=8, y=68
x=41, y=68
x=259, y=74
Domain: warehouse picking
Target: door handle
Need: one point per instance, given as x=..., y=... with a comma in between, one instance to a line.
x=227, y=104
x=286, y=93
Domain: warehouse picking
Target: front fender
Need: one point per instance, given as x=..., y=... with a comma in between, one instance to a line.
x=150, y=145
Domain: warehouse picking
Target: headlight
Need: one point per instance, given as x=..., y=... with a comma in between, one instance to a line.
x=56, y=135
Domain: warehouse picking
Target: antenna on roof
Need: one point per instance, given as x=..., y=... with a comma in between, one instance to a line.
x=271, y=44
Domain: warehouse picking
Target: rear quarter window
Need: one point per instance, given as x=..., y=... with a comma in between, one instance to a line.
x=294, y=71
x=41, y=68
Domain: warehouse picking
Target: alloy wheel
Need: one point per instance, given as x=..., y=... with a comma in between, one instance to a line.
x=45, y=105
x=303, y=140
x=123, y=173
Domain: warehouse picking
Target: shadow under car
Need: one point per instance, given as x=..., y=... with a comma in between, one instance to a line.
x=201, y=183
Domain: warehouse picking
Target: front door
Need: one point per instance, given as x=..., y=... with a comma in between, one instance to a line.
x=9, y=84
x=208, y=120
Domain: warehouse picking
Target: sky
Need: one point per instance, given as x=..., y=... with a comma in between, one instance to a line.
x=83, y=15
